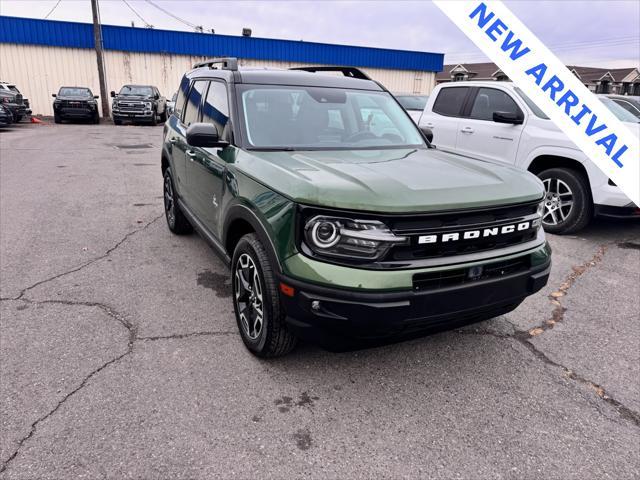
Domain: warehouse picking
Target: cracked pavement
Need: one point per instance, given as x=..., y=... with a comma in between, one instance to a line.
x=120, y=356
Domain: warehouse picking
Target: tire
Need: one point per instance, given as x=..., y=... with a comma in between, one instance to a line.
x=18, y=118
x=96, y=119
x=564, y=185
x=57, y=119
x=116, y=121
x=154, y=118
x=251, y=277
x=163, y=117
x=176, y=221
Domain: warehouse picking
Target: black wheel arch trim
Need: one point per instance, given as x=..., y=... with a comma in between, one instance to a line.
x=240, y=211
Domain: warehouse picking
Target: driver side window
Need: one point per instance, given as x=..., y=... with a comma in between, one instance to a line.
x=490, y=100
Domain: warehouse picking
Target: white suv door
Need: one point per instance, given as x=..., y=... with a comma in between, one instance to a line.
x=480, y=136
x=441, y=116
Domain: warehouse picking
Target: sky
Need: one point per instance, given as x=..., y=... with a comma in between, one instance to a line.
x=580, y=32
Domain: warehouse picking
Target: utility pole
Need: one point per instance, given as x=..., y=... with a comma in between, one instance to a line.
x=97, y=40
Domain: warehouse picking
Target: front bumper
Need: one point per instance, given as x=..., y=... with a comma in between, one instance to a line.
x=75, y=112
x=326, y=314
x=132, y=115
x=628, y=211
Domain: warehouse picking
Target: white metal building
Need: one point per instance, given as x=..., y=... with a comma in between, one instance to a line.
x=40, y=56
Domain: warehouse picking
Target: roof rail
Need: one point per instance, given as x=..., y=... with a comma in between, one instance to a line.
x=352, y=72
x=228, y=63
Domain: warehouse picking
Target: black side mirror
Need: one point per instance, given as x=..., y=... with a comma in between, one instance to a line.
x=96, y=96
x=504, y=117
x=54, y=95
x=113, y=94
x=427, y=133
x=156, y=96
x=204, y=135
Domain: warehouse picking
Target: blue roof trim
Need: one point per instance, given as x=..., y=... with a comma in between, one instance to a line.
x=80, y=35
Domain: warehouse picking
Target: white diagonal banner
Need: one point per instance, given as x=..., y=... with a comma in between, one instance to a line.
x=608, y=142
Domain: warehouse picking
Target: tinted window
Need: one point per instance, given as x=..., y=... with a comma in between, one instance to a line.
x=413, y=102
x=191, y=108
x=450, y=100
x=534, y=108
x=622, y=114
x=181, y=95
x=489, y=100
x=216, y=106
x=136, y=90
x=627, y=106
x=74, y=92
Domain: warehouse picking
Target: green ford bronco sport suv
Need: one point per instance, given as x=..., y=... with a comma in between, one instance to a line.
x=339, y=220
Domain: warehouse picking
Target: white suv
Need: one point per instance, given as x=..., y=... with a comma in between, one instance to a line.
x=496, y=121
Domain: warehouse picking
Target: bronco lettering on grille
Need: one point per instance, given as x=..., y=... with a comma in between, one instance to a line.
x=471, y=234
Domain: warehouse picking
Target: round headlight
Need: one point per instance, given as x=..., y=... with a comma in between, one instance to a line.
x=325, y=234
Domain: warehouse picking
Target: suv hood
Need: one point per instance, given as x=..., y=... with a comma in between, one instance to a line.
x=403, y=180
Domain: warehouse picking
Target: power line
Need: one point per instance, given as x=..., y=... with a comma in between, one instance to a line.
x=147, y=24
x=473, y=56
x=181, y=20
x=579, y=44
x=51, y=11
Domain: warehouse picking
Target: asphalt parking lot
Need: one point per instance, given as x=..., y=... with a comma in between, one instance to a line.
x=120, y=356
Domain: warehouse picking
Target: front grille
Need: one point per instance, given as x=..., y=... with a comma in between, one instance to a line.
x=462, y=221
x=459, y=276
x=131, y=106
x=441, y=234
x=75, y=104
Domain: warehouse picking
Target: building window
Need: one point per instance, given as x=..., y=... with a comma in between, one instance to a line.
x=458, y=77
x=603, y=87
x=636, y=89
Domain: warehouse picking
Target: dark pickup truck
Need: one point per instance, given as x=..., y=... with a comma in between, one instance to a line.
x=10, y=88
x=14, y=103
x=139, y=103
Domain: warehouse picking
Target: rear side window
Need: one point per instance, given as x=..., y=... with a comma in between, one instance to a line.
x=450, y=101
x=181, y=95
x=192, y=107
x=216, y=106
x=489, y=100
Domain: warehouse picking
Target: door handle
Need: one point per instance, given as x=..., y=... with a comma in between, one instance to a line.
x=191, y=154
x=430, y=125
x=172, y=141
x=466, y=130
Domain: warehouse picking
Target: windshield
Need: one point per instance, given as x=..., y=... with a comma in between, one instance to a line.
x=534, y=108
x=136, y=90
x=287, y=117
x=618, y=111
x=413, y=102
x=74, y=92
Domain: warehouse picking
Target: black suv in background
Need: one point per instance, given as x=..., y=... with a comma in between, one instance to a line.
x=139, y=103
x=75, y=103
